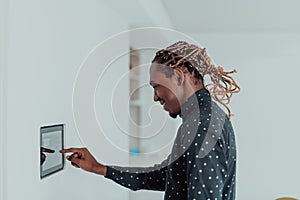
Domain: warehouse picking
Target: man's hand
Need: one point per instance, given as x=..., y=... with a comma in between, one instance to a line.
x=82, y=158
x=43, y=156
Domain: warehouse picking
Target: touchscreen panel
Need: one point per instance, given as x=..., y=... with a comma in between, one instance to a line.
x=51, y=160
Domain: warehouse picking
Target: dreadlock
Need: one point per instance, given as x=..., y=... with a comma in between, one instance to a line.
x=197, y=62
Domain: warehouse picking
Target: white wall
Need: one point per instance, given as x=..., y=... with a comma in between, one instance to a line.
x=48, y=40
x=266, y=111
x=3, y=69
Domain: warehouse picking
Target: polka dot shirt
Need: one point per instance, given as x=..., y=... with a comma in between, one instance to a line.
x=202, y=164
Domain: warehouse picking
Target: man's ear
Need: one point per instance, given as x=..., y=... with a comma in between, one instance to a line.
x=179, y=74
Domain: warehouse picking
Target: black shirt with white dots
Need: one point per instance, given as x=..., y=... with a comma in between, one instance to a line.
x=202, y=163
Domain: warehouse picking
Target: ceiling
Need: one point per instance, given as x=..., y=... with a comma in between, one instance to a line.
x=234, y=15
x=212, y=15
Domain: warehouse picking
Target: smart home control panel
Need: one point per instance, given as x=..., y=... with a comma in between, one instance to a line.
x=52, y=140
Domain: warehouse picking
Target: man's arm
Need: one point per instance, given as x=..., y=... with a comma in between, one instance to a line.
x=150, y=178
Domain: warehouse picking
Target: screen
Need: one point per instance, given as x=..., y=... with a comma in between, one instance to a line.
x=51, y=159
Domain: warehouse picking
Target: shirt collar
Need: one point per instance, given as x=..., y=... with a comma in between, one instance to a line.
x=200, y=98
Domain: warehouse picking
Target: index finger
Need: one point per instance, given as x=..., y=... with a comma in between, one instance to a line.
x=46, y=150
x=71, y=150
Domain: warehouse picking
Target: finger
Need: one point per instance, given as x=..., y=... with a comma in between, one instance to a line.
x=71, y=150
x=74, y=155
x=70, y=158
x=47, y=150
x=75, y=161
x=75, y=165
x=77, y=155
x=43, y=158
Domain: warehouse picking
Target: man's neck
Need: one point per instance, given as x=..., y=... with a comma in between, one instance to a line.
x=190, y=89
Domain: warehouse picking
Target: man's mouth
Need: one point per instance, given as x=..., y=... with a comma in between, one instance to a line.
x=164, y=105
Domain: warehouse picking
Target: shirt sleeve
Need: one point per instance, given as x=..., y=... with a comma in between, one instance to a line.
x=136, y=178
x=150, y=178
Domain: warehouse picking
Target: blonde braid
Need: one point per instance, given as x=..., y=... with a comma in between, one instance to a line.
x=223, y=86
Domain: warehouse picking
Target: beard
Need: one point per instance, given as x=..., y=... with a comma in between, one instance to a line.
x=174, y=112
x=173, y=115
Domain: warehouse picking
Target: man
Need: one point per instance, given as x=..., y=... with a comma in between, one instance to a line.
x=202, y=163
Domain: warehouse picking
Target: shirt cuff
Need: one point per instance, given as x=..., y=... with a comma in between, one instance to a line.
x=111, y=172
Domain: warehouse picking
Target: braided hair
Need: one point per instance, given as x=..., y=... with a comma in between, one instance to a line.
x=197, y=62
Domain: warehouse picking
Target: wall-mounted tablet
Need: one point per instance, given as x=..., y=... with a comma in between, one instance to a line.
x=52, y=140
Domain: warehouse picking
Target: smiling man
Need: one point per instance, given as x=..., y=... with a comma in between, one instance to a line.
x=202, y=163
x=172, y=87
